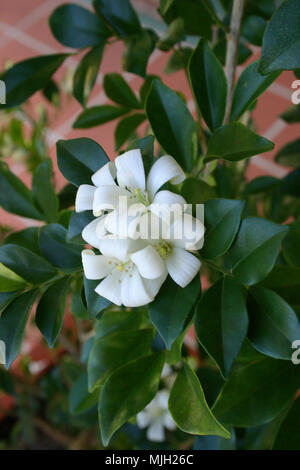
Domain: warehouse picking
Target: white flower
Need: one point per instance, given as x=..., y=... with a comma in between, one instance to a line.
x=156, y=417
x=125, y=283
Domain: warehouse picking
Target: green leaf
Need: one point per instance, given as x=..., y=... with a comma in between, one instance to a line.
x=79, y=158
x=137, y=52
x=78, y=307
x=43, y=191
x=178, y=60
x=126, y=128
x=15, y=197
x=289, y=155
x=25, y=78
x=214, y=443
x=86, y=75
x=13, y=322
x=234, y=142
x=253, y=29
x=115, y=350
x=120, y=15
x=291, y=245
x=118, y=90
x=77, y=27
x=28, y=238
x=172, y=124
x=292, y=114
x=291, y=183
x=50, y=310
x=78, y=221
x=288, y=435
x=120, y=320
x=121, y=396
x=7, y=297
x=98, y=115
x=80, y=400
x=172, y=308
x=10, y=281
x=174, y=34
x=197, y=20
x=189, y=408
x=256, y=393
x=221, y=220
x=209, y=84
x=281, y=44
x=6, y=382
x=56, y=249
x=196, y=191
x=95, y=302
x=250, y=85
x=221, y=322
x=27, y=264
x=255, y=250
x=261, y=184
x=273, y=325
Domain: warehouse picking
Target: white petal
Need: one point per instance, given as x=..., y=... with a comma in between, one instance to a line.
x=96, y=266
x=142, y=419
x=153, y=285
x=105, y=176
x=108, y=198
x=133, y=292
x=182, y=266
x=168, y=197
x=84, y=198
x=162, y=399
x=119, y=248
x=166, y=371
x=156, y=432
x=130, y=169
x=187, y=232
x=93, y=231
x=169, y=422
x=121, y=223
x=164, y=169
x=110, y=287
x=149, y=263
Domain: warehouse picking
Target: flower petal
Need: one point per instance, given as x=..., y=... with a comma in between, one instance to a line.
x=169, y=422
x=96, y=266
x=169, y=198
x=119, y=248
x=105, y=176
x=130, y=169
x=142, y=419
x=110, y=287
x=84, y=198
x=149, y=263
x=153, y=285
x=133, y=292
x=108, y=198
x=94, y=231
x=182, y=266
x=164, y=169
x=187, y=232
x=155, y=432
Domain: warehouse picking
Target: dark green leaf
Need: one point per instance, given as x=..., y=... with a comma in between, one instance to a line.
x=221, y=220
x=115, y=350
x=28, y=238
x=77, y=223
x=273, y=325
x=292, y=114
x=221, y=322
x=172, y=308
x=80, y=400
x=250, y=85
x=43, y=191
x=235, y=142
x=172, y=124
x=121, y=396
x=137, y=52
x=7, y=297
x=78, y=159
x=126, y=127
x=288, y=436
x=174, y=34
x=95, y=302
x=197, y=191
x=197, y=20
x=209, y=84
x=178, y=60
x=13, y=322
x=256, y=393
x=281, y=39
x=255, y=250
x=291, y=245
x=50, y=310
x=120, y=320
x=118, y=90
x=253, y=29
x=189, y=409
x=261, y=184
x=98, y=115
x=25, y=78
x=75, y=26
x=86, y=75
x=289, y=155
x=120, y=15
x=214, y=443
x=291, y=183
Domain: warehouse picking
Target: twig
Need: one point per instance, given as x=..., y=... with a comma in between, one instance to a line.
x=233, y=38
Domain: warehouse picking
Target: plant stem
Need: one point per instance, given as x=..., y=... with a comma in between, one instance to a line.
x=233, y=38
x=213, y=265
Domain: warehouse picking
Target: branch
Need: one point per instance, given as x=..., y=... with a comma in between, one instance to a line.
x=233, y=39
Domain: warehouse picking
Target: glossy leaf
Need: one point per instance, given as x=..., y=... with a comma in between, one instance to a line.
x=273, y=324
x=13, y=322
x=120, y=15
x=10, y=281
x=255, y=250
x=95, y=302
x=118, y=90
x=80, y=399
x=126, y=128
x=291, y=245
x=253, y=29
x=98, y=115
x=173, y=307
x=222, y=219
x=209, y=84
x=120, y=320
x=43, y=191
x=115, y=350
x=289, y=155
x=197, y=191
x=79, y=158
x=189, y=408
x=234, y=142
x=137, y=52
x=78, y=221
x=86, y=75
x=172, y=124
x=197, y=20
x=221, y=322
x=121, y=396
x=50, y=310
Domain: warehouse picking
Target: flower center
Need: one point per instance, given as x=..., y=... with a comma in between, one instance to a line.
x=163, y=249
x=141, y=196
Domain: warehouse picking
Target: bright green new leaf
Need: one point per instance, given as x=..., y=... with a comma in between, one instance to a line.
x=10, y=281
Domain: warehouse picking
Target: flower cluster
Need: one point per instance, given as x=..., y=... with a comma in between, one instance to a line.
x=143, y=234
